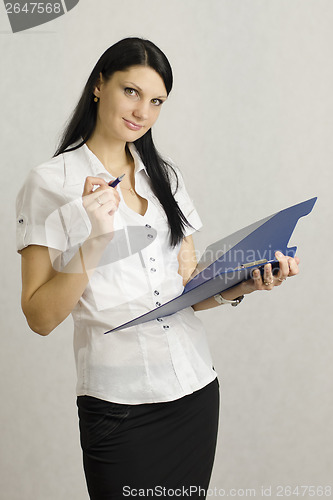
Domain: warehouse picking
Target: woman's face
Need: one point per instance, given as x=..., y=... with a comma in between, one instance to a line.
x=129, y=103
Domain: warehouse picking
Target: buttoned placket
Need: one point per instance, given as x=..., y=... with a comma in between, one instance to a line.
x=153, y=269
x=152, y=266
x=155, y=278
x=152, y=256
x=181, y=366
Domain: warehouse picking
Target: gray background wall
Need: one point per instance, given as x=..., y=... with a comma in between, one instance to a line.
x=250, y=123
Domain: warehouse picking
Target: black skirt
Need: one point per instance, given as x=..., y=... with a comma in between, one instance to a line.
x=156, y=450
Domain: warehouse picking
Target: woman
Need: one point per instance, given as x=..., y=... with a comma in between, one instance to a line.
x=148, y=395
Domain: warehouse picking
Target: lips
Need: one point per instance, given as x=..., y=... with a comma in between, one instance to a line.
x=132, y=125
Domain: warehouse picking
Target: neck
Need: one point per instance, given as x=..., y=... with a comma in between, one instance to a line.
x=112, y=154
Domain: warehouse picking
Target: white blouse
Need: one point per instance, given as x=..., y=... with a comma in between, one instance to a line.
x=157, y=361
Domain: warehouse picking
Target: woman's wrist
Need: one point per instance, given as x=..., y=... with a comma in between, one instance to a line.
x=92, y=250
x=222, y=301
x=234, y=292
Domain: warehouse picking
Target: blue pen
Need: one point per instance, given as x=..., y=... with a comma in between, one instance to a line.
x=116, y=181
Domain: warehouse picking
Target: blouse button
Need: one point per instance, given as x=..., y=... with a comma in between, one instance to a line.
x=152, y=259
x=153, y=270
x=165, y=327
x=158, y=304
x=159, y=319
x=156, y=292
x=150, y=236
x=148, y=226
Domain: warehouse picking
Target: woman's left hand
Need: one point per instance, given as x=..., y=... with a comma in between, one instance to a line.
x=288, y=266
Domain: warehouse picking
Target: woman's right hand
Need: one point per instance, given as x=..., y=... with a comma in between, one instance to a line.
x=42, y=285
x=100, y=205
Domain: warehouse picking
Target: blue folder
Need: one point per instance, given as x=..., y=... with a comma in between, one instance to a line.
x=231, y=260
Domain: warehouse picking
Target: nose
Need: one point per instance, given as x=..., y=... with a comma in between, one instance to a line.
x=141, y=110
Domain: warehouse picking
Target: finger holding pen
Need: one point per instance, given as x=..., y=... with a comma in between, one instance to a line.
x=106, y=203
x=100, y=204
x=92, y=195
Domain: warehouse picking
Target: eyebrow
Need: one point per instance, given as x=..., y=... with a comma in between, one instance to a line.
x=137, y=86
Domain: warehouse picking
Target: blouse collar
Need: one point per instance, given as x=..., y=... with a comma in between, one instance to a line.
x=82, y=162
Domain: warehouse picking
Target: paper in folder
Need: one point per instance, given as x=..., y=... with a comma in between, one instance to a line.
x=231, y=260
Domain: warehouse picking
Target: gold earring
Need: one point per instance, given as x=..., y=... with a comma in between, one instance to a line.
x=96, y=99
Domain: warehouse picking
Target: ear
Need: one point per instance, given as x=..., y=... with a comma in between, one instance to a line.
x=99, y=83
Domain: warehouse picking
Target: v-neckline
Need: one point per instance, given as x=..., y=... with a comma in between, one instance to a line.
x=129, y=209
x=94, y=159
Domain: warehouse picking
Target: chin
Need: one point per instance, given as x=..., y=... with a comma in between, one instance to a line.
x=134, y=136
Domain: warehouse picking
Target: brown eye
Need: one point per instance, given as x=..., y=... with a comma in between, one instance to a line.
x=156, y=102
x=130, y=92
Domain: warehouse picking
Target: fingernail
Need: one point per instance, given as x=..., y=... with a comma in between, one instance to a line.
x=279, y=254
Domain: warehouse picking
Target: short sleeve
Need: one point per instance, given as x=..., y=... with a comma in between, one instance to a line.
x=44, y=216
x=186, y=205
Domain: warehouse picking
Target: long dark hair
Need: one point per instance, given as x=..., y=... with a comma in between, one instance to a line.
x=119, y=57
